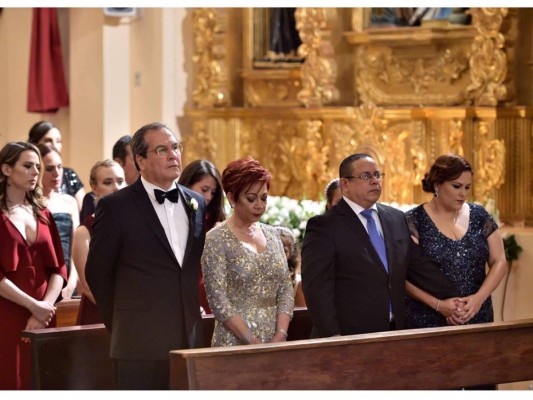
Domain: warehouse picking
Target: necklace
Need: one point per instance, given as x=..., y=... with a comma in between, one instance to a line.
x=250, y=234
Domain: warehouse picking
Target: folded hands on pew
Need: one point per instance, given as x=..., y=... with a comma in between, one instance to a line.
x=42, y=314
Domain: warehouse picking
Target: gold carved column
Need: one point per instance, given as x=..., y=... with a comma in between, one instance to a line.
x=319, y=70
x=489, y=62
x=211, y=81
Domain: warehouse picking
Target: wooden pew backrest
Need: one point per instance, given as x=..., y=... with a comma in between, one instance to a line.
x=77, y=357
x=67, y=312
x=436, y=358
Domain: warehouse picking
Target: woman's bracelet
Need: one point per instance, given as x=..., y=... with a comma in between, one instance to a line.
x=438, y=304
x=247, y=337
x=283, y=332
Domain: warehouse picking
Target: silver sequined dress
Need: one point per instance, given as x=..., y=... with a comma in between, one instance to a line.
x=240, y=282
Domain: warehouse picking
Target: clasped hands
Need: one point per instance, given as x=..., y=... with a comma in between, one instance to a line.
x=460, y=310
x=42, y=314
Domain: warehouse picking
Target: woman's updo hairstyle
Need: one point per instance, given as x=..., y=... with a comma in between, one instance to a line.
x=445, y=168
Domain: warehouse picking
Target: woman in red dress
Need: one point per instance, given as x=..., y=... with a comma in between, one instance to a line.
x=105, y=178
x=32, y=269
x=203, y=177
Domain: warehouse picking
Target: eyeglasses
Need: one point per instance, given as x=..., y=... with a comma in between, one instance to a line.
x=162, y=151
x=366, y=176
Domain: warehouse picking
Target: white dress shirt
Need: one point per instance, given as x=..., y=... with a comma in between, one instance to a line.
x=358, y=210
x=173, y=218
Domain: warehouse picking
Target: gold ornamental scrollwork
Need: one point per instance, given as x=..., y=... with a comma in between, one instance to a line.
x=399, y=176
x=319, y=70
x=275, y=90
x=418, y=154
x=488, y=63
x=415, y=79
x=200, y=144
x=389, y=147
x=309, y=158
x=490, y=164
x=456, y=137
x=419, y=73
x=211, y=82
x=274, y=140
x=341, y=140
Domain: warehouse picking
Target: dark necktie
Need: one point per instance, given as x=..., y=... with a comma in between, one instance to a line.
x=375, y=237
x=171, y=195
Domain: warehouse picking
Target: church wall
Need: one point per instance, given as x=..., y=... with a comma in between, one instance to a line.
x=15, y=39
x=102, y=56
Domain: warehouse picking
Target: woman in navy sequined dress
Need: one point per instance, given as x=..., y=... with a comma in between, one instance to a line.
x=462, y=239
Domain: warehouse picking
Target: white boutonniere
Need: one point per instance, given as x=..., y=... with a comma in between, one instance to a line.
x=193, y=205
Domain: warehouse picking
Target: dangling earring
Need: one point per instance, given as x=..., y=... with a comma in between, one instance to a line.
x=436, y=192
x=231, y=205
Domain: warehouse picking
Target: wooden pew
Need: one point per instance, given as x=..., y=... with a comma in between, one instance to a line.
x=436, y=358
x=77, y=357
x=67, y=312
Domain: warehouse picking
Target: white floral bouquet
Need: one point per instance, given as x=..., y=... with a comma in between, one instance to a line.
x=291, y=213
x=294, y=214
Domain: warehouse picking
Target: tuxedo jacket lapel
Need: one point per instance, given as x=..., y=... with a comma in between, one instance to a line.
x=185, y=197
x=147, y=211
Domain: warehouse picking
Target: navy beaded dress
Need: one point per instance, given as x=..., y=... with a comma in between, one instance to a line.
x=462, y=261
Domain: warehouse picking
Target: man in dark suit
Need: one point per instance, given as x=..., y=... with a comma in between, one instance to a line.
x=142, y=265
x=353, y=269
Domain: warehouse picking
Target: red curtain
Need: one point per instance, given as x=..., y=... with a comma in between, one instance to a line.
x=47, y=89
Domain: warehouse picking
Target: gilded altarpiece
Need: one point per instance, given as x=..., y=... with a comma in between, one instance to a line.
x=418, y=92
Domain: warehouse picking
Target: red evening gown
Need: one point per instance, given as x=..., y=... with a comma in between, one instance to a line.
x=28, y=267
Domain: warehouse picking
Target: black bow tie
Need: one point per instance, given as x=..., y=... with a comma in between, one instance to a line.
x=171, y=195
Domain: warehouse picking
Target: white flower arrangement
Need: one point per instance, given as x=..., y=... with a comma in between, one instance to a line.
x=294, y=214
x=291, y=213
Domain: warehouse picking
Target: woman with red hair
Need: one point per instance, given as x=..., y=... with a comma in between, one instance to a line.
x=246, y=277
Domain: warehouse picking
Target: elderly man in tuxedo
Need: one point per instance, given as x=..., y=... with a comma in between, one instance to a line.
x=142, y=265
x=356, y=257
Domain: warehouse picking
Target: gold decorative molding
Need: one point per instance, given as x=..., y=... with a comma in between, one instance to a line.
x=275, y=143
x=360, y=18
x=412, y=66
x=272, y=88
x=418, y=155
x=211, y=82
x=488, y=63
x=319, y=70
x=418, y=73
x=489, y=157
x=303, y=147
x=309, y=163
x=200, y=144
